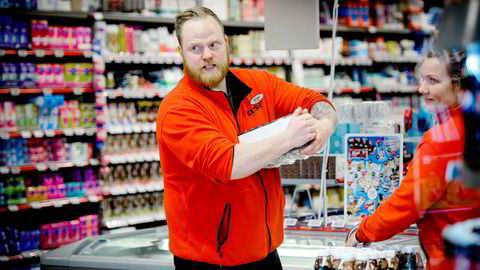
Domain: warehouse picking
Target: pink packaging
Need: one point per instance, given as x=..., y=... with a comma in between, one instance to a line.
x=49, y=75
x=3, y=122
x=46, y=236
x=60, y=191
x=51, y=37
x=9, y=115
x=74, y=230
x=65, y=38
x=51, y=192
x=41, y=79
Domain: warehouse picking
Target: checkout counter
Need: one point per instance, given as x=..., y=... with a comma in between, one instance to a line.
x=148, y=249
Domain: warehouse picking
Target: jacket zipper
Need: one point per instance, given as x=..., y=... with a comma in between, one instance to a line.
x=266, y=213
x=224, y=228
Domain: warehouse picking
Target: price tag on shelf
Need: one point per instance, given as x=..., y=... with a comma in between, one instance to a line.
x=41, y=167
x=39, y=53
x=290, y=222
x=315, y=223
x=79, y=131
x=50, y=133
x=94, y=162
x=80, y=163
x=259, y=61
x=47, y=91
x=146, y=128
x=15, y=170
x=35, y=205
x=59, y=53
x=4, y=135
x=127, y=129
x=4, y=170
x=38, y=133
x=78, y=91
x=22, y=53
x=90, y=131
x=98, y=16
x=53, y=166
x=169, y=60
x=278, y=61
x=150, y=94
x=15, y=91
x=58, y=204
x=68, y=132
x=87, y=54
x=248, y=61
x=26, y=134
x=268, y=61
x=131, y=189
x=178, y=61
x=236, y=61
x=93, y=198
x=137, y=128
x=13, y=208
x=75, y=201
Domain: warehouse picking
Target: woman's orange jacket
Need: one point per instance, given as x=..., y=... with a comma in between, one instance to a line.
x=427, y=196
x=211, y=218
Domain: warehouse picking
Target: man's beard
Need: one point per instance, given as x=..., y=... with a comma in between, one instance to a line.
x=208, y=79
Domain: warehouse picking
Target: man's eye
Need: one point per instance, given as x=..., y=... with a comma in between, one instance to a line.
x=215, y=45
x=196, y=49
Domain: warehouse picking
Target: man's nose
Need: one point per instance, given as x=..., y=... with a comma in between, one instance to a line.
x=207, y=53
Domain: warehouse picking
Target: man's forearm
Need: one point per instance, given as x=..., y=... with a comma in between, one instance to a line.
x=322, y=110
x=251, y=157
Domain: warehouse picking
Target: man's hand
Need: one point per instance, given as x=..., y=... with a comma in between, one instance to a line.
x=352, y=240
x=324, y=128
x=326, y=119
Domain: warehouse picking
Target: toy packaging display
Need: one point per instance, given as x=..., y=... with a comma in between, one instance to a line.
x=374, y=171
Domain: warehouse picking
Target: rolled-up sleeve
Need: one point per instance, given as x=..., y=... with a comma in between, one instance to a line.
x=195, y=140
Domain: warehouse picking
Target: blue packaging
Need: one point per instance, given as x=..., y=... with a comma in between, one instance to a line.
x=3, y=234
x=4, y=250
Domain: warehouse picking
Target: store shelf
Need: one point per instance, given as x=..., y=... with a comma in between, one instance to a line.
x=346, y=90
x=329, y=155
x=49, y=203
x=412, y=139
x=136, y=128
x=331, y=183
x=156, y=185
x=39, y=133
x=146, y=156
x=409, y=89
x=24, y=255
x=138, y=93
x=339, y=61
x=171, y=58
x=40, y=53
x=53, y=166
x=259, y=61
x=135, y=220
x=50, y=14
x=397, y=59
x=46, y=90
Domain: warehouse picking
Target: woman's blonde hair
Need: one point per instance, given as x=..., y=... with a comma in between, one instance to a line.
x=193, y=13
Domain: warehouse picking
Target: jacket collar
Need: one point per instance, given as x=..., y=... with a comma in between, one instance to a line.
x=237, y=89
x=443, y=117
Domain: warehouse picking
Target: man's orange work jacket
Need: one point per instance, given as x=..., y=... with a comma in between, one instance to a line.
x=211, y=218
x=427, y=196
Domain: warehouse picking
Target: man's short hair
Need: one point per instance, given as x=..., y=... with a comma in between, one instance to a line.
x=193, y=13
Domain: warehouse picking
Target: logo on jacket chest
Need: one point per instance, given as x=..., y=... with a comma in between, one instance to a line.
x=256, y=104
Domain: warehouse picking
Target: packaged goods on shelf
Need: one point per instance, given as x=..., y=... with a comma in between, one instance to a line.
x=14, y=34
x=46, y=112
x=53, y=235
x=126, y=176
x=14, y=241
x=136, y=80
x=60, y=37
x=27, y=151
x=132, y=209
x=129, y=113
x=121, y=144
